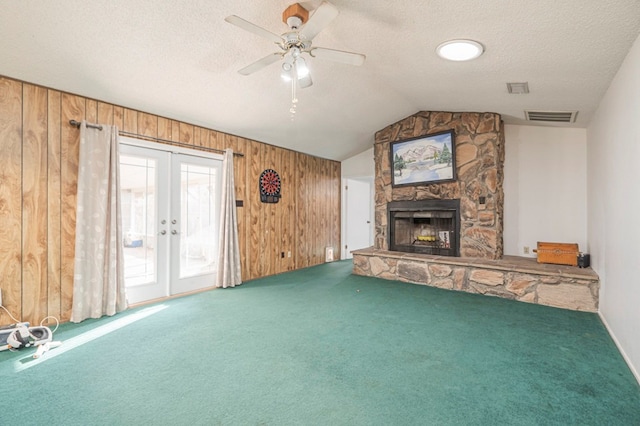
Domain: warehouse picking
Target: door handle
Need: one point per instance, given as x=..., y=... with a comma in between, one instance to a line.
x=174, y=232
x=163, y=232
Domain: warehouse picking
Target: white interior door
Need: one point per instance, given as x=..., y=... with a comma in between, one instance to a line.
x=358, y=215
x=170, y=220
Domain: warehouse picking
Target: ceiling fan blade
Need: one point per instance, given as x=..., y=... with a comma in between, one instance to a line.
x=349, y=58
x=261, y=63
x=253, y=28
x=322, y=17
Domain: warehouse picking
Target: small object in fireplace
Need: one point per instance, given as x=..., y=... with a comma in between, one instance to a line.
x=444, y=237
x=425, y=239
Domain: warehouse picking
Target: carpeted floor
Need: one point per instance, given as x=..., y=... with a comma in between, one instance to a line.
x=323, y=347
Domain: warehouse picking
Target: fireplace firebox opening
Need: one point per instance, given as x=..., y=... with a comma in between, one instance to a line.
x=426, y=226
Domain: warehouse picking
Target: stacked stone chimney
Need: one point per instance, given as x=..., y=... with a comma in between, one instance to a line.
x=479, y=147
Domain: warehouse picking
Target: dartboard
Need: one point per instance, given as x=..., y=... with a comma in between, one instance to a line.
x=270, y=186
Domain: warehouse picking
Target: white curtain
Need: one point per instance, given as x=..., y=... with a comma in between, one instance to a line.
x=229, y=274
x=98, y=279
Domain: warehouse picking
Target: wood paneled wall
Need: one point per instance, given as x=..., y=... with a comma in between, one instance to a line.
x=38, y=184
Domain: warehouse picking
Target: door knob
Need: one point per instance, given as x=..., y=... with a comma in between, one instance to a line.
x=174, y=232
x=174, y=221
x=163, y=232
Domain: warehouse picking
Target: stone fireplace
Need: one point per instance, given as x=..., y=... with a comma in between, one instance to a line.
x=449, y=235
x=479, y=147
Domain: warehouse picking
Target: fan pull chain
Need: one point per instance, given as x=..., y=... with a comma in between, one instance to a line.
x=294, y=99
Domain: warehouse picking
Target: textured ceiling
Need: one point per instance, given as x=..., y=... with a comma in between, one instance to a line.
x=180, y=60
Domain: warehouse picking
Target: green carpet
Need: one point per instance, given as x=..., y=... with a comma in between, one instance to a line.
x=320, y=346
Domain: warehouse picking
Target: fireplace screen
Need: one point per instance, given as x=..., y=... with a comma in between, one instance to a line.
x=429, y=226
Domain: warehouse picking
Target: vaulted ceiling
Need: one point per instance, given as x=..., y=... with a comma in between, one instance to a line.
x=180, y=60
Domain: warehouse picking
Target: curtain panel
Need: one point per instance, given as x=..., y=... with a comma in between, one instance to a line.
x=98, y=282
x=229, y=272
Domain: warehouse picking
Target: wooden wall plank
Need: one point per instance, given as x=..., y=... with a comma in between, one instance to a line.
x=186, y=133
x=336, y=202
x=268, y=218
x=289, y=196
x=257, y=249
x=164, y=128
x=175, y=131
x=244, y=213
x=196, y=137
x=118, y=117
x=204, y=137
x=313, y=211
x=280, y=231
x=91, y=114
x=54, y=212
x=105, y=113
x=11, y=198
x=72, y=107
x=130, y=121
x=216, y=140
x=147, y=125
x=34, y=203
x=303, y=230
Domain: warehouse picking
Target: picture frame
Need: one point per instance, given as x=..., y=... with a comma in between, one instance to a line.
x=423, y=160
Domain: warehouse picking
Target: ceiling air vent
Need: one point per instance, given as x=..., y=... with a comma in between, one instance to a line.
x=553, y=116
x=518, y=88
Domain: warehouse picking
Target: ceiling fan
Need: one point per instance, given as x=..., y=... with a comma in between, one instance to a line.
x=297, y=42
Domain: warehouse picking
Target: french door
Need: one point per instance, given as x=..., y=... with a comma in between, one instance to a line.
x=170, y=212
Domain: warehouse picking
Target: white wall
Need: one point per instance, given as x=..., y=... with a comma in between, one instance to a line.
x=360, y=165
x=613, y=165
x=545, y=187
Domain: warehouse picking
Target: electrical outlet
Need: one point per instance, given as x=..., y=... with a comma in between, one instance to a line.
x=525, y=249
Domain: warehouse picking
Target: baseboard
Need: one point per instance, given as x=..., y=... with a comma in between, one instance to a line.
x=624, y=355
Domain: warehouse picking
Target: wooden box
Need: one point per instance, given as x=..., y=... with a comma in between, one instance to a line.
x=558, y=253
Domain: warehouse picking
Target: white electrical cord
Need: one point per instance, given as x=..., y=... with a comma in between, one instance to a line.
x=51, y=316
x=41, y=322
x=9, y=313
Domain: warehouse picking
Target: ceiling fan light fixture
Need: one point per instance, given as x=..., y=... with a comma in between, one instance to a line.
x=286, y=75
x=460, y=50
x=287, y=69
x=301, y=67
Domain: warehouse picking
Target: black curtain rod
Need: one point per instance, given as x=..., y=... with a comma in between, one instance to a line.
x=77, y=124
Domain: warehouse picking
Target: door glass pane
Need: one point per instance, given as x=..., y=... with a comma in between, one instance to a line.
x=138, y=193
x=198, y=224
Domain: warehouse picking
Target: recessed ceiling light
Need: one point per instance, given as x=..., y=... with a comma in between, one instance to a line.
x=460, y=50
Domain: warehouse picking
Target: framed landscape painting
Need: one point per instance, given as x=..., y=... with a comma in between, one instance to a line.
x=424, y=160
